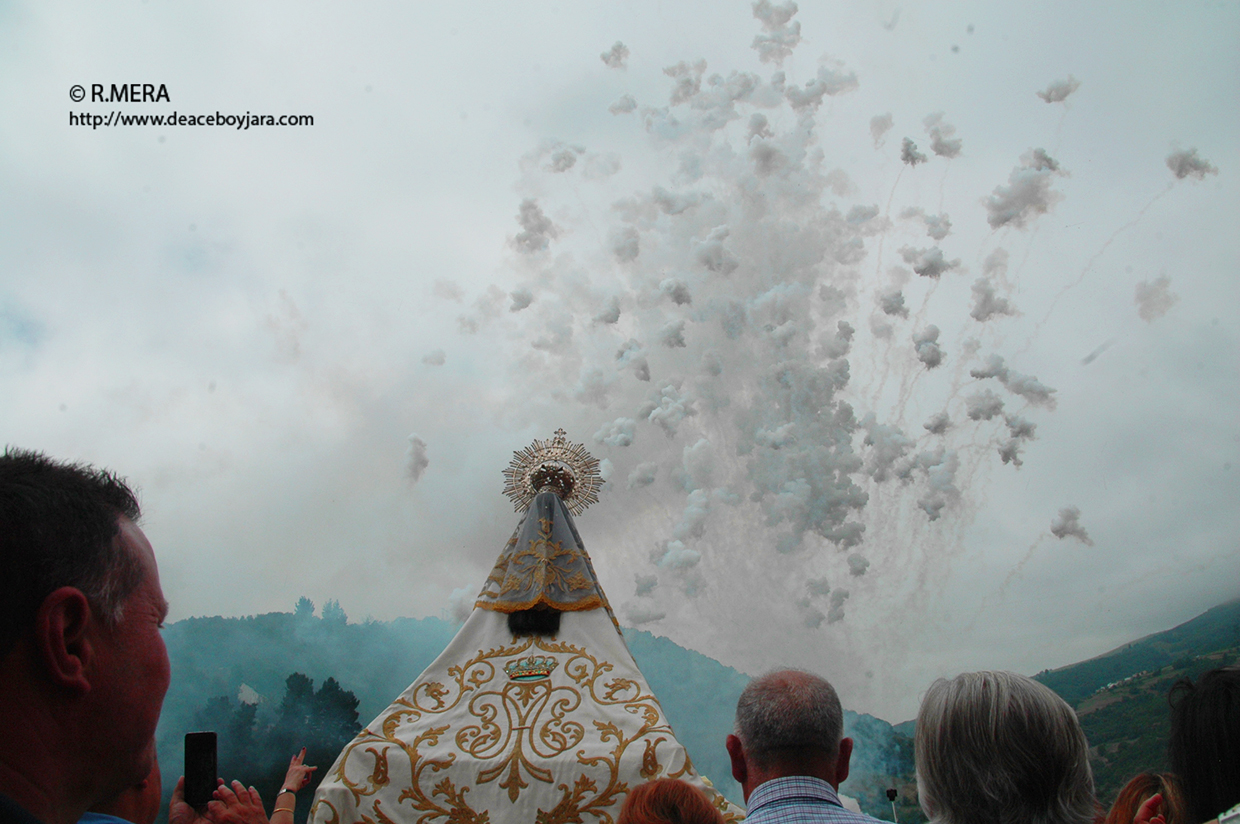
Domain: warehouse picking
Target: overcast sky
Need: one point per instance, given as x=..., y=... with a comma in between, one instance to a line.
x=315, y=348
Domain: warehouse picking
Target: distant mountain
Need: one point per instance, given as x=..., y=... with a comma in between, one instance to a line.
x=1214, y=629
x=1121, y=696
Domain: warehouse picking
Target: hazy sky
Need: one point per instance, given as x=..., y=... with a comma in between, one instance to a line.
x=315, y=348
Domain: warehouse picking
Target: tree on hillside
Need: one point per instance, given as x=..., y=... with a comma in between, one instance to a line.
x=304, y=608
x=322, y=721
x=333, y=613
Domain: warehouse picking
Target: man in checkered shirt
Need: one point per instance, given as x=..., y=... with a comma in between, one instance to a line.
x=789, y=752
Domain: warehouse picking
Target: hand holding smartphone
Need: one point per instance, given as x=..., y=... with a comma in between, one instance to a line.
x=200, y=768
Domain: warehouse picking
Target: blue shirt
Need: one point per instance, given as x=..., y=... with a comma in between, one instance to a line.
x=799, y=799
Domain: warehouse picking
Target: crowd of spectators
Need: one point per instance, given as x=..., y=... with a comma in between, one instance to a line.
x=83, y=673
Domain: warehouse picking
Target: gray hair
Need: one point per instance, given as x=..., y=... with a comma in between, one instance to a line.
x=58, y=527
x=997, y=746
x=788, y=712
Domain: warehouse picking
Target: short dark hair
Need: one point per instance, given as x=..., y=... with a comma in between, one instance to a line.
x=58, y=524
x=1204, y=749
x=789, y=714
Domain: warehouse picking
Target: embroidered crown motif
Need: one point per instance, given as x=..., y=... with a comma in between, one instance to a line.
x=531, y=668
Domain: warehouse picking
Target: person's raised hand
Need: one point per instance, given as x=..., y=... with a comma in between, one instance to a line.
x=298, y=774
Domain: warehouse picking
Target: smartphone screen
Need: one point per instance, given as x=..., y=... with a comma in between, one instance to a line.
x=200, y=768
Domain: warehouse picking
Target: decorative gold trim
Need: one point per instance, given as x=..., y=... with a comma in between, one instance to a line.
x=518, y=727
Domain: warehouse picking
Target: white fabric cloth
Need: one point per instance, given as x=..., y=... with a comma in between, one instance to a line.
x=468, y=739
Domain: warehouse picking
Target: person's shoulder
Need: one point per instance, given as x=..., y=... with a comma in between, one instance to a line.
x=89, y=817
x=13, y=813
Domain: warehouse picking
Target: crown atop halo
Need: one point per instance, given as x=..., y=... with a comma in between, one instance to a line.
x=564, y=468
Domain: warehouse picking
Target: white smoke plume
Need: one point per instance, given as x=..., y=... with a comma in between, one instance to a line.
x=892, y=303
x=619, y=432
x=1069, y=524
x=537, y=230
x=1027, y=386
x=926, y=345
x=638, y=614
x=521, y=298
x=624, y=105
x=416, y=460
x=942, y=142
x=880, y=124
x=909, y=153
x=435, y=357
x=710, y=328
x=615, y=57
x=983, y=405
x=938, y=423
x=461, y=603
x=929, y=263
x=1058, y=91
x=1155, y=299
x=831, y=80
x=1028, y=193
x=780, y=33
x=1186, y=163
x=937, y=226
x=986, y=302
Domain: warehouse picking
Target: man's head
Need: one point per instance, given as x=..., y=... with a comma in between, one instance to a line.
x=58, y=523
x=788, y=722
x=84, y=667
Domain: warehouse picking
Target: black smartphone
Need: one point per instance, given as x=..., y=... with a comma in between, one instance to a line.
x=200, y=768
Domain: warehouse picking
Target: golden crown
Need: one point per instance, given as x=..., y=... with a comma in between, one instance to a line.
x=557, y=465
x=531, y=668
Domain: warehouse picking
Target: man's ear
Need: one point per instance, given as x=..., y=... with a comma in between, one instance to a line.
x=62, y=639
x=841, y=761
x=740, y=770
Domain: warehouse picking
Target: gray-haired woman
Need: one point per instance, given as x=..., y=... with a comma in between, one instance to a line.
x=1000, y=747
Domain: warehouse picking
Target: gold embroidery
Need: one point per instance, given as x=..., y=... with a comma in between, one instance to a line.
x=518, y=727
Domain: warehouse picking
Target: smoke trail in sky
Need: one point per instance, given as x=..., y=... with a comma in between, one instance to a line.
x=776, y=404
x=704, y=327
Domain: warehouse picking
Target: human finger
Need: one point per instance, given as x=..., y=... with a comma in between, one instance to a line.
x=225, y=794
x=1148, y=810
x=178, y=793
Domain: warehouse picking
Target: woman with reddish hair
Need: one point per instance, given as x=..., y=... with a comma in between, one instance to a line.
x=1140, y=790
x=667, y=801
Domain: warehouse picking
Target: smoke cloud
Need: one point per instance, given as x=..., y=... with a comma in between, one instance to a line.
x=416, y=460
x=1028, y=193
x=1155, y=299
x=942, y=142
x=1186, y=163
x=1058, y=91
x=1068, y=524
x=615, y=57
x=880, y=124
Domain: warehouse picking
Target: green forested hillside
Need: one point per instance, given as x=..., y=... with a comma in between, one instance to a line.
x=1121, y=696
x=1214, y=629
